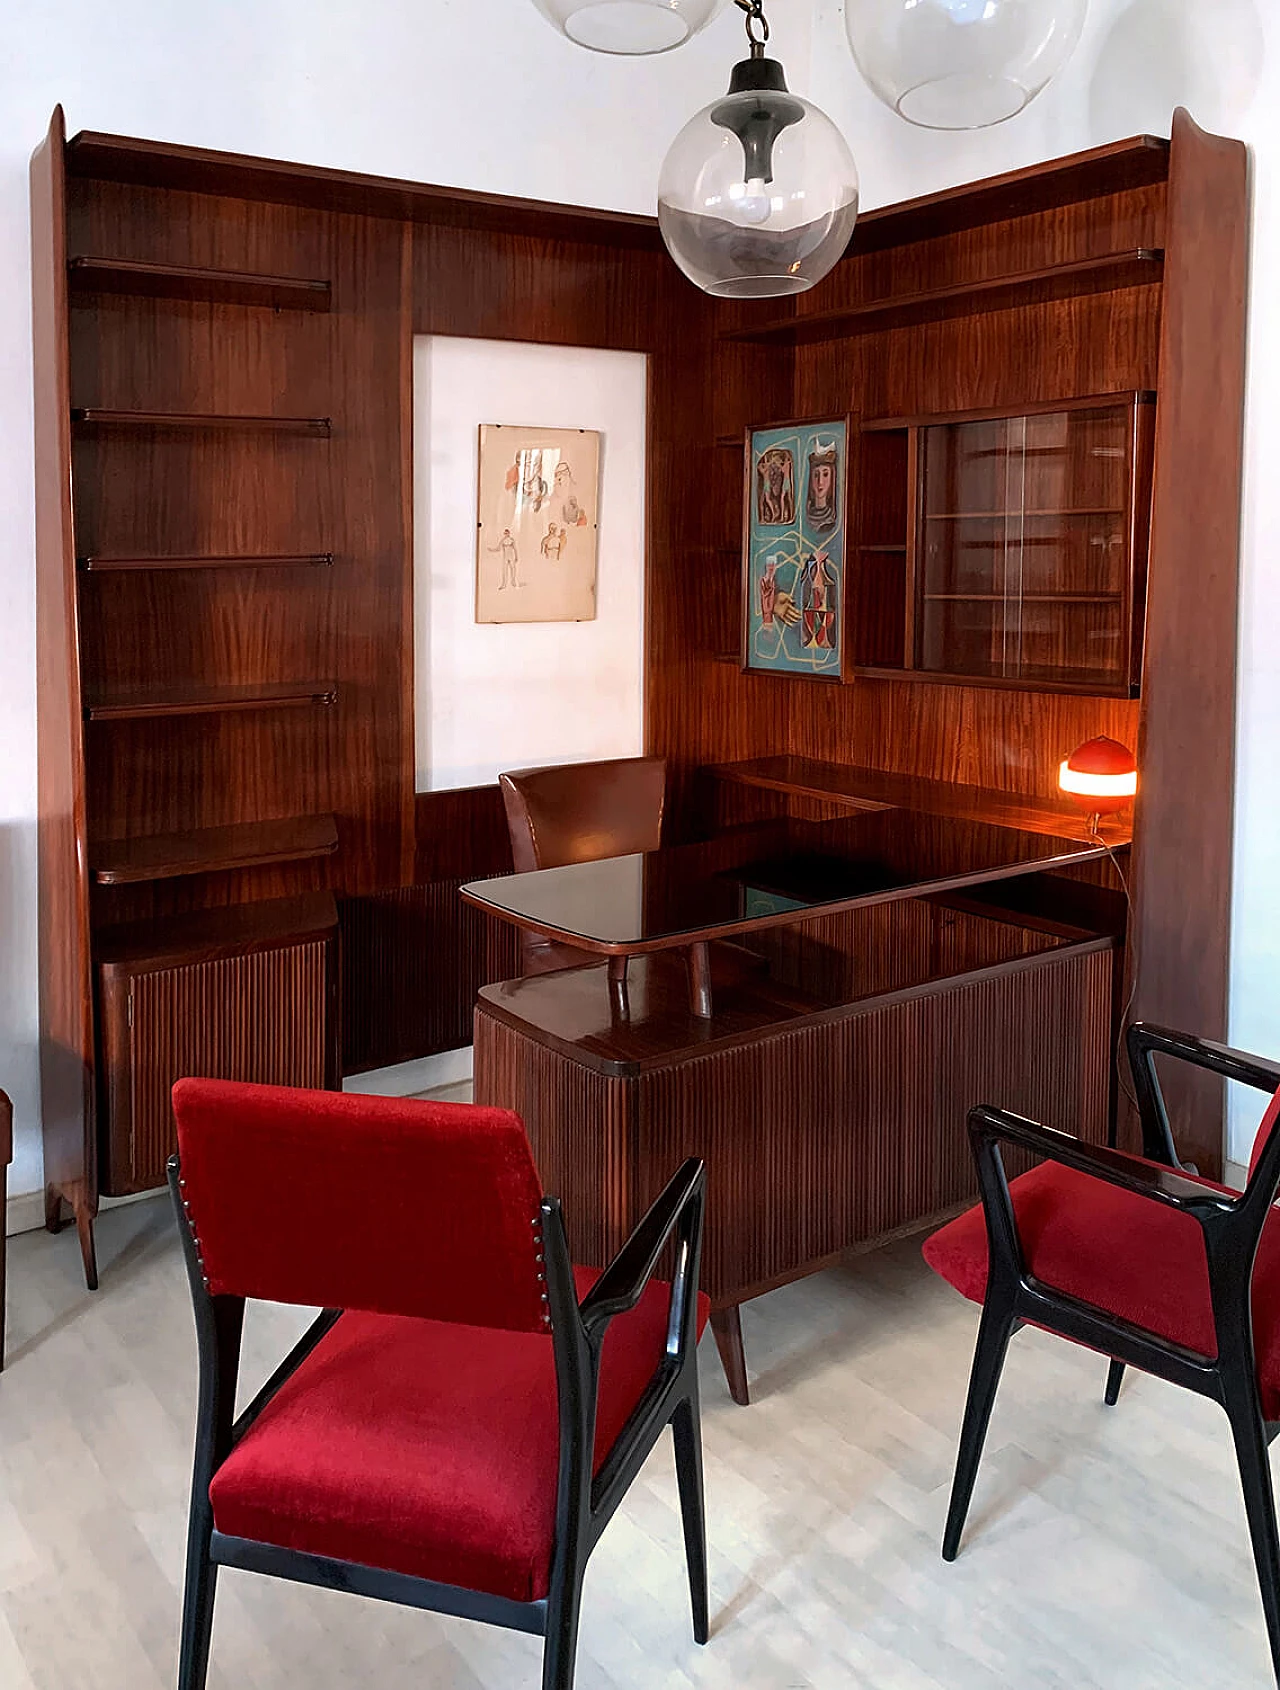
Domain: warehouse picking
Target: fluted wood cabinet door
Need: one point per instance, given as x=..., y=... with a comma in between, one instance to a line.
x=266, y=1016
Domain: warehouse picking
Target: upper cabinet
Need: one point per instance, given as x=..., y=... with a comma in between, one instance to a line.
x=1019, y=545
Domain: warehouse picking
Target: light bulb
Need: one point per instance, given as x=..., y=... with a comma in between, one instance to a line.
x=749, y=201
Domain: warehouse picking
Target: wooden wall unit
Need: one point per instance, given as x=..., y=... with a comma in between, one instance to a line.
x=224, y=372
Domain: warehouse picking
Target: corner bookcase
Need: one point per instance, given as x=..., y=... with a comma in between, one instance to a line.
x=194, y=619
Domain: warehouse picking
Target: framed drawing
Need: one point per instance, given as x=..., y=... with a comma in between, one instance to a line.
x=537, y=526
x=794, y=549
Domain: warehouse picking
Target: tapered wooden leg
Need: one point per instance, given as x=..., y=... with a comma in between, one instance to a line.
x=994, y=1333
x=559, y=1657
x=84, y=1227
x=1250, y=1438
x=52, y=1209
x=686, y=1431
x=197, y=1608
x=1115, y=1373
x=726, y=1325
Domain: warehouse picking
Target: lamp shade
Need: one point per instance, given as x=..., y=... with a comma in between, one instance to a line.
x=961, y=64
x=629, y=26
x=758, y=195
x=1101, y=775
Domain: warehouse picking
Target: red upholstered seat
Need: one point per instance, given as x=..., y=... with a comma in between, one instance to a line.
x=1123, y=1254
x=428, y=1448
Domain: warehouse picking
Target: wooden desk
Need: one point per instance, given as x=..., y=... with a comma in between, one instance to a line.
x=828, y=1097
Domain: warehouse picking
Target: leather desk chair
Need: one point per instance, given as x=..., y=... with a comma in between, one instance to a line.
x=578, y=813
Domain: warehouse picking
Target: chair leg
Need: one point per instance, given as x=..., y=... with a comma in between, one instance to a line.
x=559, y=1657
x=726, y=1328
x=197, y=1609
x=1115, y=1373
x=686, y=1432
x=1250, y=1437
x=994, y=1332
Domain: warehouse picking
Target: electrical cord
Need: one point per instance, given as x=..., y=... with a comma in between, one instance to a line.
x=1095, y=838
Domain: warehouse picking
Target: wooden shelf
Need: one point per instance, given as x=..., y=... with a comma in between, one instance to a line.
x=284, y=560
x=1024, y=598
x=173, y=281
x=209, y=850
x=879, y=789
x=1000, y=516
x=95, y=416
x=138, y=702
x=1134, y=268
x=208, y=933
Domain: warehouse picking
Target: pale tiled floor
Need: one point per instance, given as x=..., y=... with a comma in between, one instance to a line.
x=1106, y=1548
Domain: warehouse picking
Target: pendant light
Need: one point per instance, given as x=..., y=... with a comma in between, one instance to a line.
x=961, y=64
x=759, y=194
x=629, y=26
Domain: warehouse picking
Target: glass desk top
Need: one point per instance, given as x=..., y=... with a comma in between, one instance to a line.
x=764, y=876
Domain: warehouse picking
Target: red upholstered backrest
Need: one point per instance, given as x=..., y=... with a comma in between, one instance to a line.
x=1265, y=1129
x=382, y=1204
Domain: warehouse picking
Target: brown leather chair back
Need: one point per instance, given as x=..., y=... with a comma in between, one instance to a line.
x=579, y=812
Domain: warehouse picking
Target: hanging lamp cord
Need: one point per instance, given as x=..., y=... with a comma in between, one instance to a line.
x=757, y=25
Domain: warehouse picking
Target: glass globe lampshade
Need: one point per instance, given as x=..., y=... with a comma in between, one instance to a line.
x=629, y=26
x=961, y=64
x=758, y=195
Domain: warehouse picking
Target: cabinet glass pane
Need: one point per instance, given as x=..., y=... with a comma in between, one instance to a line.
x=1024, y=559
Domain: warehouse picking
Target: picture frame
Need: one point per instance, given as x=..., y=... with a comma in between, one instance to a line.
x=796, y=508
x=537, y=523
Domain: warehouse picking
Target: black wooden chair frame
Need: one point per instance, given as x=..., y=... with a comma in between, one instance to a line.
x=585, y=1501
x=1232, y=1229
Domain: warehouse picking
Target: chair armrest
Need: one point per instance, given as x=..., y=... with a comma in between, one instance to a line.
x=622, y=1283
x=1146, y=1042
x=1130, y=1173
x=1232, y=1064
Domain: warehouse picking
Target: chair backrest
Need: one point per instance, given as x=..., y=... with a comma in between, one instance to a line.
x=387, y=1205
x=578, y=812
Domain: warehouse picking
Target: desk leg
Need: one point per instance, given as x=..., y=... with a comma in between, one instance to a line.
x=618, y=998
x=700, y=980
x=726, y=1326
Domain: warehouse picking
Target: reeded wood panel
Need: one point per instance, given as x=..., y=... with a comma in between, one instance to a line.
x=264, y=1017
x=820, y=1138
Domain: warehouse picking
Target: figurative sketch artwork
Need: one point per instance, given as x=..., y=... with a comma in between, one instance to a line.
x=795, y=540
x=537, y=524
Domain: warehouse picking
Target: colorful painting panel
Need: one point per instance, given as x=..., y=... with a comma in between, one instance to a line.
x=795, y=549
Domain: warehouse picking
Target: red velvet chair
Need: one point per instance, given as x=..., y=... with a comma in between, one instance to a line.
x=1139, y=1259
x=458, y=1425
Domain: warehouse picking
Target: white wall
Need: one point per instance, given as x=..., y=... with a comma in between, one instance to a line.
x=512, y=695
x=480, y=93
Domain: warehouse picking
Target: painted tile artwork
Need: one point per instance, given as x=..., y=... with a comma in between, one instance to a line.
x=795, y=540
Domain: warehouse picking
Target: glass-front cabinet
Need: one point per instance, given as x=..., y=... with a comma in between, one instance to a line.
x=1005, y=550
x=1030, y=554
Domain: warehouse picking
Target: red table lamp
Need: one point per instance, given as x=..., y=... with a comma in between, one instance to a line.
x=1101, y=775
